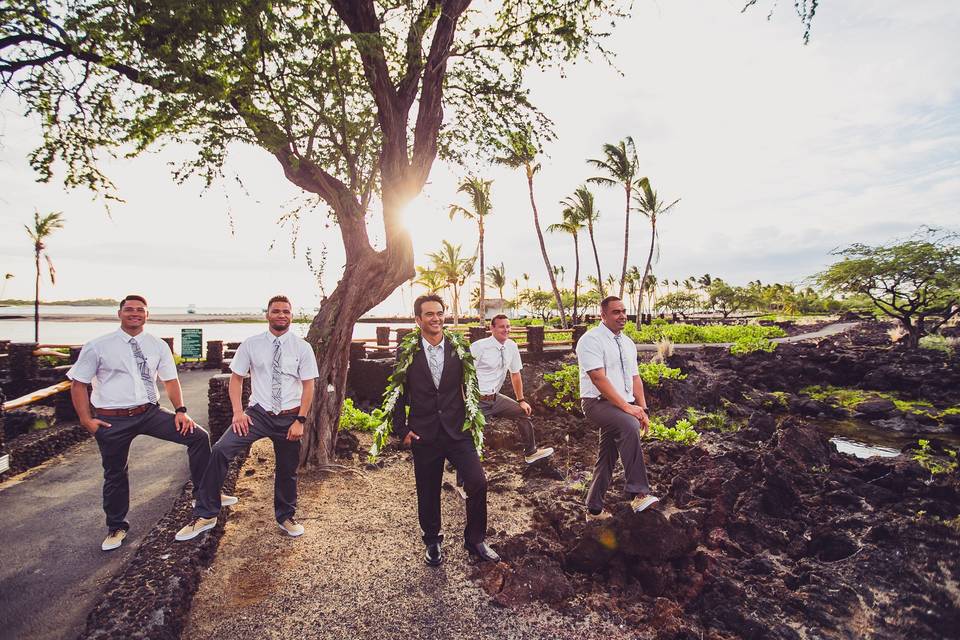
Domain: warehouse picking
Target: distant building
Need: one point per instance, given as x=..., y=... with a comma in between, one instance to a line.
x=496, y=306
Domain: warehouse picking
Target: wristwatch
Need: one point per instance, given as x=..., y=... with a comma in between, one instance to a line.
x=301, y=419
x=181, y=409
x=521, y=399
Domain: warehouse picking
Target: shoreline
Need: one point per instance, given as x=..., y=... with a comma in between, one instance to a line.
x=191, y=318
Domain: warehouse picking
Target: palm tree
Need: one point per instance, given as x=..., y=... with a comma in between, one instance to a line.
x=582, y=201
x=430, y=280
x=41, y=230
x=620, y=163
x=652, y=207
x=571, y=224
x=521, y=152
x=478, y=191
x=454, y=269
x=498, y=278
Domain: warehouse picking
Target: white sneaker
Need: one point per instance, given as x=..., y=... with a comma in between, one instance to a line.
x=195, y=528
x=292, y=528
x=225, y=501
x=640, y=504
x=113, y=540
x=603, y=515
x=539, y=454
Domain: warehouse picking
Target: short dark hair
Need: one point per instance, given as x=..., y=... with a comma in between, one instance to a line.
x=606, y=301
x=418, y=303
x=499, y=316
x=278, y=299
x=134, y=296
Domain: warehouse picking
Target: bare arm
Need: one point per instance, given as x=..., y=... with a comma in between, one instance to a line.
x=183, y=423
x=81, y=404
x=517, y=383
x=241, y=421
x=295, y=432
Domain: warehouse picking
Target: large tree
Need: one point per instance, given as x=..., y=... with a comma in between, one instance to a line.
x=916, y=281
x=650, y=205
x=620, y=165
x=478, y=192
x=571, y=224
x=354, y=99
x=582, y=201
x=42, y=228
x=454, y=269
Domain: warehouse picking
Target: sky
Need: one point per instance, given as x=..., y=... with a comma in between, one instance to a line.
x=779, y=153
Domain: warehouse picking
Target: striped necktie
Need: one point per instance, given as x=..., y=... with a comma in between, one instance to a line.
x=623, y=367
x=145, y=376
x=435, y=359
x=276, y=385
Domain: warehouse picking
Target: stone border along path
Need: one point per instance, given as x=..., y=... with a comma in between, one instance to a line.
x=825, y=332
x=52, y=570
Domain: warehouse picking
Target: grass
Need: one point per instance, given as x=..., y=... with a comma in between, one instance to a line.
x=713, y=421
x=566, y=382
x=850, y=398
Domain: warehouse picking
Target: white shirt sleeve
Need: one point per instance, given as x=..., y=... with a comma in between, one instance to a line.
x=633, y=368
x=308, y=362
x=475, y=350
x=515, y=364
x=85, y=368
x=590, y=353
x=166, y=368
x=240, y=364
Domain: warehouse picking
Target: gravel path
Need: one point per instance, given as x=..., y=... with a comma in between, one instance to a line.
x=358, y=571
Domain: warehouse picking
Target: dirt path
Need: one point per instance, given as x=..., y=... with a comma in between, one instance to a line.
x=358, y=571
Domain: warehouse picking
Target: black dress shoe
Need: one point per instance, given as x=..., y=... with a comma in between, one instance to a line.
x=434, y=555
x=482, y=551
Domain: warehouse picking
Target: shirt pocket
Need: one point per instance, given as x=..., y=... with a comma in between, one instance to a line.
x=290, y=365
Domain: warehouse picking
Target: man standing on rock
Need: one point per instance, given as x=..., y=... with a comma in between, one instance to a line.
x=435, y=391
x=611, y=394
x=122, y=367
x=495, y=356
x=283, y=368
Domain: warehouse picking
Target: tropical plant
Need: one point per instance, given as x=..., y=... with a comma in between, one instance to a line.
x=582, y=201
x=454, y=269
x=478, y=191
x=650, y=205
x=749, y=344
x=571, y=224
x=498, y=278
x=681, y=302
x=620, y=164
x=916, y=281
x=43, y=227
x=726, y=299
x=521, y=151
x=682, y=432
x=431, y=280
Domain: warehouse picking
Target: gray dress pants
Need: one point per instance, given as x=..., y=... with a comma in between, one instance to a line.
x=619, y=437
x=505, y=407
x=286, y=453
x=114, y=442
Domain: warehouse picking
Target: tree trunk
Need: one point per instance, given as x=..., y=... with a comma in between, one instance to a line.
x=596, y=256
x=914, y=332
x=576, y=277
x=653, y=237
x=36, y=301
x=482, y=307
x=543, y=249
x=626, y=242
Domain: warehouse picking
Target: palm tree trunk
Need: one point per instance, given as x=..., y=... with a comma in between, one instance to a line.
x=543, y=249
x=576, y=277
x=36, y=299
x=626, y=243
x=596, y=256
x=483, y=276
x=653, y=238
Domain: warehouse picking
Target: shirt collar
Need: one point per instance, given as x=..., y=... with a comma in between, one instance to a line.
x=425, y=344
x=606, y=330
x=271, y=337
x=123, y=335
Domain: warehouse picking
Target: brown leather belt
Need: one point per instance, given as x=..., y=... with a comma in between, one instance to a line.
x=487, y=398
x=127, y=412
x=287, y=412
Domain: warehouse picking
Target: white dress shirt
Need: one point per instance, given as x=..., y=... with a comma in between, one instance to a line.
x=108, y=364
x=493, y=360
x=297, y=363
x=426, y=346
x=598, y=349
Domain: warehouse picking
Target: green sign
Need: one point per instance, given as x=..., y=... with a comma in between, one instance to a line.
x=191, y=343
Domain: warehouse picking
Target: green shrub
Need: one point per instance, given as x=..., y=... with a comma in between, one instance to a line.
x=680, y=333
x=682, y=432
x=936, y=343
x=357, y=420
x=566, y=384
x=925, y=458
x=714, y=421
x=653, y=372
x=749, y=344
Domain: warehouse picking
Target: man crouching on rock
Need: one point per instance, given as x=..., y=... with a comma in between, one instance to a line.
x=434, y=391
x=611, y=394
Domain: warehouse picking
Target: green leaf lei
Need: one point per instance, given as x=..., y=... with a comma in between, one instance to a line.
x=408, y=348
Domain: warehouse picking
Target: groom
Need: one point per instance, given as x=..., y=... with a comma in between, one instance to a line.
x=434, y=391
